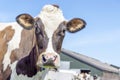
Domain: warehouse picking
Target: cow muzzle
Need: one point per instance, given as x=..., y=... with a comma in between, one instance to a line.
x=49, y=60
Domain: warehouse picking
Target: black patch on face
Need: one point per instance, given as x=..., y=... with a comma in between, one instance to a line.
x=41, y=37
x=9, y=77
x=58, y=37
x=27, y=65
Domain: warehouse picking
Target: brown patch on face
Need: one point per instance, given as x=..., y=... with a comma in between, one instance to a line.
x=41, y=36
x=5, y=36
x=58, y=37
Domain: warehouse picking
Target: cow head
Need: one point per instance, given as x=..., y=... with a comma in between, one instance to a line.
x=49, y=36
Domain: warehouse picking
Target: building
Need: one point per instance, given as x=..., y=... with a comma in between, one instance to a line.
x=82, y=62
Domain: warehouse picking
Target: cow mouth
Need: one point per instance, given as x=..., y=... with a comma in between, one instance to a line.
x=49, y=63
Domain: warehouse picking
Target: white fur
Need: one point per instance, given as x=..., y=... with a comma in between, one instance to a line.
x=13, y=44
x=51, y=17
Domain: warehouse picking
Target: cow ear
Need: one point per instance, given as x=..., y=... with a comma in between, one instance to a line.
x=25, y=20
x=75, y=25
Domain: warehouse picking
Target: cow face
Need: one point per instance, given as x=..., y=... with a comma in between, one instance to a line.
x=49, y=38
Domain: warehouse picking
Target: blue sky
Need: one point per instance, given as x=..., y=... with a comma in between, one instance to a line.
x=101, y=37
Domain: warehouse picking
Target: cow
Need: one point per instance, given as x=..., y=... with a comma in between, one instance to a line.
x=31, y=44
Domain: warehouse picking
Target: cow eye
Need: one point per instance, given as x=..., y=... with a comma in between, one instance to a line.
x=37, y=30
x=64, y=31
x=61, y=33
x=40, y=46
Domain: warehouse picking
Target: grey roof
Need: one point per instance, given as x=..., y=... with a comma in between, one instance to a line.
x=91, y=61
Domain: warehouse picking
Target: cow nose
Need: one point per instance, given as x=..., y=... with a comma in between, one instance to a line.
x=48, y=60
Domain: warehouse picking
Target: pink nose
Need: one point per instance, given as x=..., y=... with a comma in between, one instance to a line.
x=48, y=59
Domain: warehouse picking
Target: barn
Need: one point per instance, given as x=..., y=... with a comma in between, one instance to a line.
x=77, y=61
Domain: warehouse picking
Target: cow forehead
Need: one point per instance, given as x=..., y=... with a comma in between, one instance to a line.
x=51, y=17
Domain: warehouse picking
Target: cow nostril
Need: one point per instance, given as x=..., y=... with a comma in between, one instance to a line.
x=55, y=57
x=43, y=58
x=46, y=58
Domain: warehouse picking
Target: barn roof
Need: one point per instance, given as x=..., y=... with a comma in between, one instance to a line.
x=91, y=61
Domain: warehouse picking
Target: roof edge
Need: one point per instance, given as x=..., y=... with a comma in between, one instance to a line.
x=77, y=56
